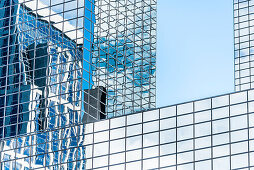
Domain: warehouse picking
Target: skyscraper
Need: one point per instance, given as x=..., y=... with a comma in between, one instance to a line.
x=215, y=133
x=41, y=75
x=244, y=50
x=124, y=54
x=60, y=70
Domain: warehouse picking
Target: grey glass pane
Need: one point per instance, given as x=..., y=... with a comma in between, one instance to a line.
x=151, y=163
x=133, y=165
x=151, y=115
x=151, y=126
x=133, y=155
x=168, y=112
x=151, y=152
x=220, y=125
x=151, y=139
x=168, y=161
x=168, y=123
x=203, y=154
x=185, y=132
x=133, y=142
x=221, y=163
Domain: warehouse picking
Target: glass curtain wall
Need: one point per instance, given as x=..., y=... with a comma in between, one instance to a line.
x=124, y=54
x=41, y=47
x=244, y=44
x=62, y=65
x=216, y=133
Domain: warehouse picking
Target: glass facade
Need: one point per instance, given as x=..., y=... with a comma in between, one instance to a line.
x=63, y=63
x=41, y=85
x=244, y=44
x=125, y=37
x=214, y=134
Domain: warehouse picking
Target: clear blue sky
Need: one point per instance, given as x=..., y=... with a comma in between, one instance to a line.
x=194, y=50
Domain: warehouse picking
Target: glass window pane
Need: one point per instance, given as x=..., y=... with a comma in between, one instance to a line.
x=202, y=116
x=101, y=125
x=134, y=119
x=100, y=161
x=239, y=147
x=167, y=136
x=221, y=163
x=203, y=165
x=238, y=122
x=202, y=129
x=168, y=123
x=151, y=115
x=101, y=149
x=185, y=120
x=150, y=152
x=203, y=154
x=117, y=167
x=185, y=133
x=101, y=136
x=202, y=142
x=133, y=155
x=151, y=126
x=184, y=108
x=117, y=122
x=117, y=145
x=151, y=163
x=239, y=135
x=134, y=130
x=117, y=133
x=220, y=125
x=221, y=151
x=168, y=112
x=239, y=164
x=220, y=113
x=238, y=97
x=220, y=139
x=151, y=139
x=167, y=160
x=185, y=146
x=133, y=142
x=202, y=105
x=133, y=165
x=168, y=149
x=117, y=158
x=184, y=157
x=238, y=109
x=220, y=101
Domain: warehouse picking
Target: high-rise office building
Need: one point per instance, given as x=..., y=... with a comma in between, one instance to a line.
x=124, y=54
x=215, y=133
x=59, y=70
x=244, y=44
x=41, y=77
x=65, y=63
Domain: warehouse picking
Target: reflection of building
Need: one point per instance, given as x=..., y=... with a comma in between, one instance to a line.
x=51, y=81
x=40, y=95
x=215, y=133
x=124, y=54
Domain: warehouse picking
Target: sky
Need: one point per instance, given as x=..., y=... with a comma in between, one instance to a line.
x=195, y=50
